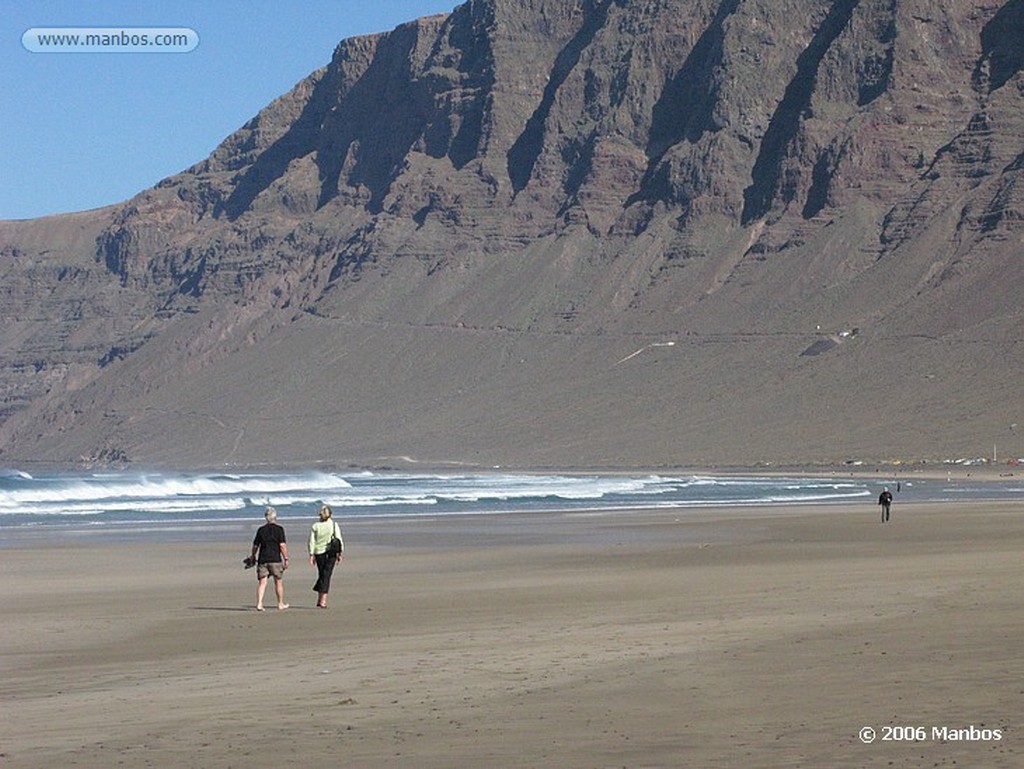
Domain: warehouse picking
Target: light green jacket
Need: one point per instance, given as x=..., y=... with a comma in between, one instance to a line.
x=320, y=536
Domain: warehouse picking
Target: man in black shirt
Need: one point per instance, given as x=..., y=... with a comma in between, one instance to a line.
x=271, y=554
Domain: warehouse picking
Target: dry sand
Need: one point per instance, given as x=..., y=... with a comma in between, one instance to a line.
x=752, y=638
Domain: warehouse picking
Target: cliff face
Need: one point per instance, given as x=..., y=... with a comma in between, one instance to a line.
x=450, y=241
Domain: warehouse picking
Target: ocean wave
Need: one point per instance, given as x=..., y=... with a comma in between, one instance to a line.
x=110, y=491
x=176, y=498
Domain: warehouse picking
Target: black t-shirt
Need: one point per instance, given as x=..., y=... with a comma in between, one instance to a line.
x=268, y=539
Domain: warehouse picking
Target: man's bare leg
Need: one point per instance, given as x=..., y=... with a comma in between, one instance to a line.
x=279, y=589
x=261, y=588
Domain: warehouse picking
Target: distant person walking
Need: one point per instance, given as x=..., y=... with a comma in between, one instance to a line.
x=271, y=553
x=885, y=501
x=325, y=551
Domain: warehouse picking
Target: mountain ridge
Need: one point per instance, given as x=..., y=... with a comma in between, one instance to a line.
x=467, y=227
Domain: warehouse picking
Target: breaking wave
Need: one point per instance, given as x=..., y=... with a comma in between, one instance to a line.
x=169, y=500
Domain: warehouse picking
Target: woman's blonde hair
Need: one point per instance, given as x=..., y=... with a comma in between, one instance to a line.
x=325, y=512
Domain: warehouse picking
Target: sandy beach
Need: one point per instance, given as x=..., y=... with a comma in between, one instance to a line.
x=760, y=637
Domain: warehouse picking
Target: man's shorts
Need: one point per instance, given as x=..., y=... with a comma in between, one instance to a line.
x=275, y=570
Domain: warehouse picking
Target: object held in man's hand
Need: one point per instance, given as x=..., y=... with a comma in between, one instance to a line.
x=249, y=562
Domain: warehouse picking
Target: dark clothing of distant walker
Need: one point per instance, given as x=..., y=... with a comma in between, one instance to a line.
x=885, y=500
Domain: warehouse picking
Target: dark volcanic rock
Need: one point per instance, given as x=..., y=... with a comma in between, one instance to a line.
x=449, y=242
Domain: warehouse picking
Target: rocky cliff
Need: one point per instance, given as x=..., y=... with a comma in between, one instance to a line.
x=560, y=232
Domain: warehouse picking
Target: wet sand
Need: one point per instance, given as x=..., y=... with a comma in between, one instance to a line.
x=716, y=638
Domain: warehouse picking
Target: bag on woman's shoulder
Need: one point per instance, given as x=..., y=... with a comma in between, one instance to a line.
x=334, y=546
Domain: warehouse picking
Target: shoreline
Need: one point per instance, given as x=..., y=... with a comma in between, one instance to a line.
x=218, y=530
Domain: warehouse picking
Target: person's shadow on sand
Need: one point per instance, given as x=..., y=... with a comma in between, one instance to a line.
x=270, y=609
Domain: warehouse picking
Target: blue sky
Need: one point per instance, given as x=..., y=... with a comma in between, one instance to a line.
x=82, y=130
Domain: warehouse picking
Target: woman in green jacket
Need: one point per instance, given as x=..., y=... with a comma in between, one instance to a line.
x=323, y=553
